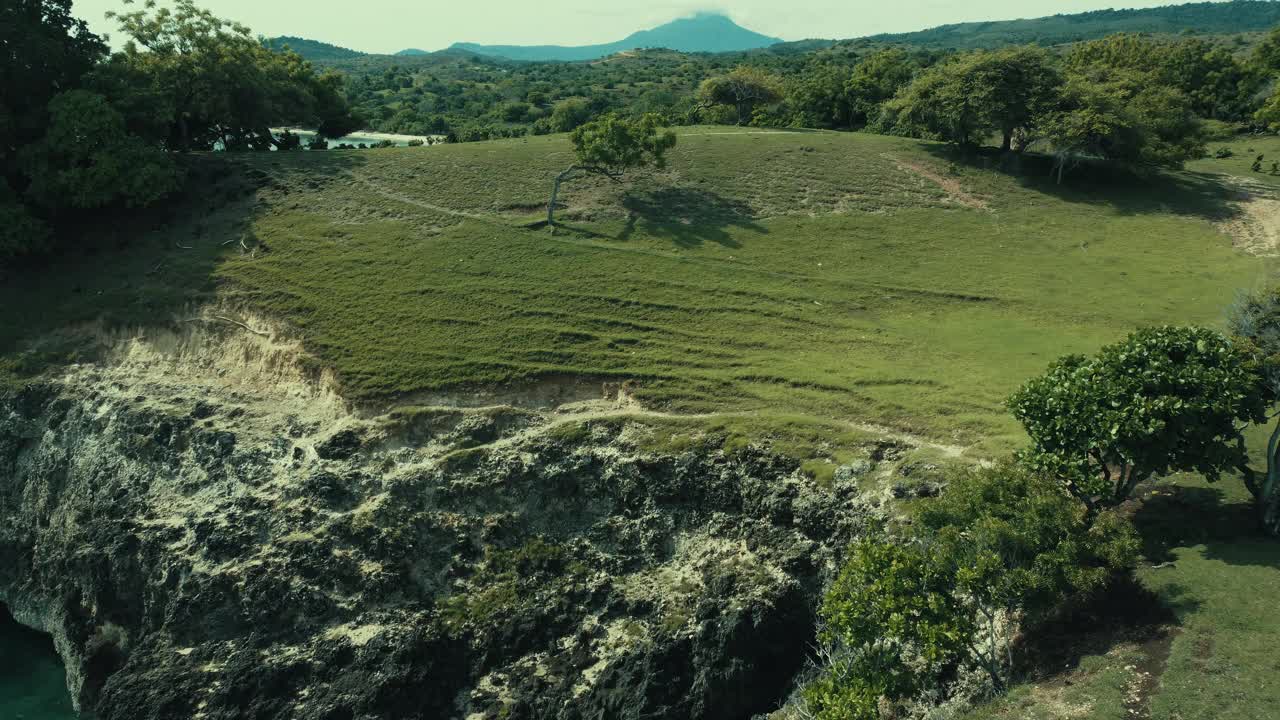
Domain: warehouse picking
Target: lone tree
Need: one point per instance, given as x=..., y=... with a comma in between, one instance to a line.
x=610, y=146
x=1166, y=399
x=1255, y=322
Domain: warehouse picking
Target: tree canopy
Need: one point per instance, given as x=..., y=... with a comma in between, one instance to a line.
x=1165, y=399
x=215, y=84
x=613, y=145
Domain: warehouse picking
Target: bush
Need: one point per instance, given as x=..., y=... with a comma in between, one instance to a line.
x=1165, y=399
x=1001, y=546
x=1223, y=152
x=416, y=143
x=20, y=233
x=569, y=114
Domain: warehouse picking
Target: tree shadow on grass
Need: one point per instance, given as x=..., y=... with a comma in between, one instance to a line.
x=1123, y=612
x=689, y=217
x=1124, y=189
x=1173, y=516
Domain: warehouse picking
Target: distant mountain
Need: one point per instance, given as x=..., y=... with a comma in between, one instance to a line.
x=313, y=50
x=704, y=32
x=412, y=52
x=1206, y=17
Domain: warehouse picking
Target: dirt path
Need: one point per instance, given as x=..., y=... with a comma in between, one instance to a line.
x=1145, y=683
x=626, y=408
x=1255, y=228
x=952, y=187
x=392, y=195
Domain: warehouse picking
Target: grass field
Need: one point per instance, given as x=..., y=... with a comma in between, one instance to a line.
x=823, y=274
x=801, y=283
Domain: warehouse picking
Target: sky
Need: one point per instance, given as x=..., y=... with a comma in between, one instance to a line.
x=386, y=26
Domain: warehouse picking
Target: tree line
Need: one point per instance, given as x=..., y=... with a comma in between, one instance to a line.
x=84, y=130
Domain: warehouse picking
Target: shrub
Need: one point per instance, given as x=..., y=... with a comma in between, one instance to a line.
x=1001, y=546
x=1165, y=399
x=416, y=143
x=1223, y=153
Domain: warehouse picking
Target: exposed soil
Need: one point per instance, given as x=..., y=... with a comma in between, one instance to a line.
x=955, y=190
x=1255, y=228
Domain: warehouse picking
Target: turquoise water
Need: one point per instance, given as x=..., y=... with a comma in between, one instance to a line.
x=33, y=685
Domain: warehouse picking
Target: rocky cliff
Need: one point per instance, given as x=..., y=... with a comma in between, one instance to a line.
x=207, y=532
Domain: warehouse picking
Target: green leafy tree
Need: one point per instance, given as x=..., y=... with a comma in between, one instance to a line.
x=875, y=81
x=745, y=89
x=216, y=84
x=1165, y=399
x=44, y=50
x=817, y=97
x=569, y=114
x=611, y=146
x=976, y=94
x=88, y=160
x=891, y=623
x=1122, y=116
x=1254, y=322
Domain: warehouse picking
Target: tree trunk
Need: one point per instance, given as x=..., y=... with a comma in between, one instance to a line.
x=555, y=191
x=1269, y=493
x=1007, y=144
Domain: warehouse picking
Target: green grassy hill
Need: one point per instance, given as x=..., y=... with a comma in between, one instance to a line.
x=792, y=283
x=828, y=275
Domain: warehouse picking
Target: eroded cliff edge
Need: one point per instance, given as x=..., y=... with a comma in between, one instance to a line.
x=207, y=532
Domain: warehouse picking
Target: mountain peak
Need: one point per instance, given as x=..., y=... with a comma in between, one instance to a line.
x=706, y=31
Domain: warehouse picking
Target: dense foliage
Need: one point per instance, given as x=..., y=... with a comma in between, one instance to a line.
x=1254, y=322
x=1002, y=547
x=81, y=131
x=1165, y=399
x=1137, y=99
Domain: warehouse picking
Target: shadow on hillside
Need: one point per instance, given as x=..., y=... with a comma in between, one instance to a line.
x=1173, y=516
x=128, y=267
x=1124, y=189
x=1124, y=612
x=688, y=217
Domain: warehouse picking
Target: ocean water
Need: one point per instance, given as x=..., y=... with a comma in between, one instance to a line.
x=33, y=684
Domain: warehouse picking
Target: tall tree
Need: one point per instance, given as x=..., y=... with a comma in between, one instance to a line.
x=979, y=93
x=1121, y=115
x=874, y=81
x=44, y=50
x=219, y=85
x=744, y=89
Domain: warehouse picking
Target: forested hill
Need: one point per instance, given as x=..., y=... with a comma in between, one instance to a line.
x=313, y=50
x=1206, y=17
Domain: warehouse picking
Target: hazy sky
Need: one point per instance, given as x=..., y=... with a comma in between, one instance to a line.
x=391, y=25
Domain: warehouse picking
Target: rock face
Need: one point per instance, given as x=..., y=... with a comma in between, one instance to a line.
x=201, y=546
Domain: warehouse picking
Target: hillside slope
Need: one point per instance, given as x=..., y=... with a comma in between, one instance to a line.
x=1234, y=16
x=505, y=472
x=860, y=277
